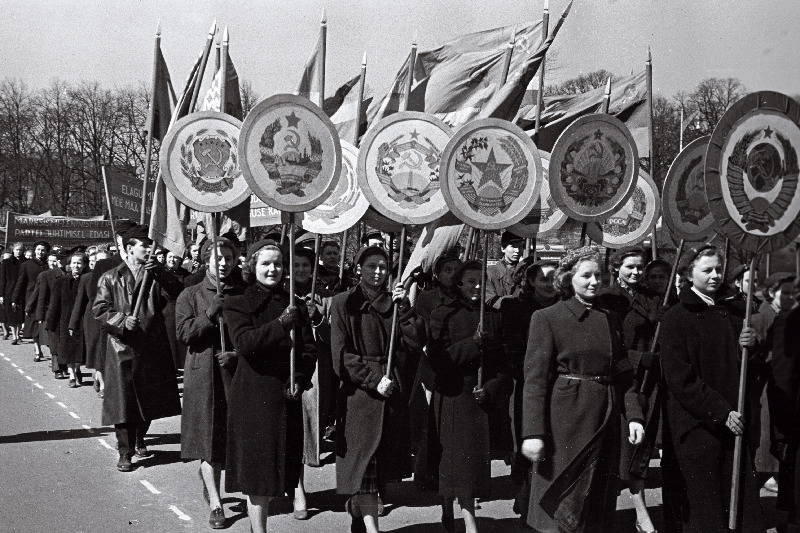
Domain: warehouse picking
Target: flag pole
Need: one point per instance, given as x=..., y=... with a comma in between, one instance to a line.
x=209, y=44
x=292, y=335
x=507, y=57
x=606, y=97
x=412, y=59
x=651, y=137
x=540, y=94
x=733, y=517
x=150, y=118
x=680, y=143
x=223, y=68
x=323, y=50
x=482, y=308
x=108, y=203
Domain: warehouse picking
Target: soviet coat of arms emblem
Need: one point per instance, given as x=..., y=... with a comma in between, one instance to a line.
x=208, y=160
x=297, y=162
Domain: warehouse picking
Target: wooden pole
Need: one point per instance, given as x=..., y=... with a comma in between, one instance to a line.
x=583, y=234
x=292, y=336
x=606, y=97
x=360, y=101
x=733, y=517
x=540, y=95
x=654, y=244
x=223, y=67
x=150, y=118
x=507, y=58
x=342, y=253
x=468, y=248
x=315, y=272
x=395, y=311
x=283, y=234
x=108, y=203
x=203, y=62
x=482, y=308
x=412, y=61
x=726, y=260
x=796, y=257
x=527, y=251
x=769, y=264
x=323, y=51
x=680, y=143
x=650, y=126
x=214, y=235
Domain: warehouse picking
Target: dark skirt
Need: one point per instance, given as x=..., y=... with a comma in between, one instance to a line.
x=31, y=329
x=13, y=317
x=94, y=341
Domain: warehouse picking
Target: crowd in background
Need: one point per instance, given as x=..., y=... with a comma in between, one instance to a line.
x=575, y=385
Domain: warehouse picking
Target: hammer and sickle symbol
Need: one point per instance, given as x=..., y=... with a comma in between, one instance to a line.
x=411, y=160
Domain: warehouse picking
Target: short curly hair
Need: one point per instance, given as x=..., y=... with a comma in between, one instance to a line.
x=567, y=267
x=249, y=268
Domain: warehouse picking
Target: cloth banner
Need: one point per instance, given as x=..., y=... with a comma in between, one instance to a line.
x=64, y=231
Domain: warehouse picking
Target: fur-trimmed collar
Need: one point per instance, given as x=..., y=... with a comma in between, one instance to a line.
x=257, y=296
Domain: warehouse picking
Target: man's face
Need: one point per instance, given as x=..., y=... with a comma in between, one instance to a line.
x=139, y=250
x=173, y=260
x=330, y=257
x=512, y=251
x=194, y=252
x=52, y=261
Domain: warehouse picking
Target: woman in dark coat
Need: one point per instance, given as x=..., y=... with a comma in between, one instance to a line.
x=83, y=319
x=577, y=378
x=463, y=406
x=71, y=351
x=536, y=292
x=209, y=370
x=26, y=282
x=700, y=361
x=9, y=272
x=639, y=308
x=265, y=432
x=178, y=347
x=372, y=437
x=423, y=431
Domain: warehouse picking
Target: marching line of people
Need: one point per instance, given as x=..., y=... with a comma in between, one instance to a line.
x=575, y=385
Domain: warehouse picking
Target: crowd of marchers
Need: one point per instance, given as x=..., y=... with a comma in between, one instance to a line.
x=575, y=385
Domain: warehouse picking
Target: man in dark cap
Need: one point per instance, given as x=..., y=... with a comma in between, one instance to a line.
x=499, y=277
x=140, y=375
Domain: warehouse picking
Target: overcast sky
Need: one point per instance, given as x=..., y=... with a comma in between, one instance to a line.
x=111, y=41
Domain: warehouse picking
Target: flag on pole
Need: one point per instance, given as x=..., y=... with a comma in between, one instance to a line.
x=308, y=86
x=344, y=116
x=163, y=99
x=505, y=103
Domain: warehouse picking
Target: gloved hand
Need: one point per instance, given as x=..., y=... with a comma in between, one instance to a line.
x=215, y=307
x=226, y=359
x=289, y=316
x=480, y=395
x=385, y=387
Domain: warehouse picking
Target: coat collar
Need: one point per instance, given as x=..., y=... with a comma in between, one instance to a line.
x=358, y=302
x=257, y=296
x=692, y=301
x=577, y=308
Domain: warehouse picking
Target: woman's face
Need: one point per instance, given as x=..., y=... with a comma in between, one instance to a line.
x=586, y=280
x=543, y=283
x=631, y=270
x=706, y=275
x=269, y=267
x=658, y=279
x=41, y=252
x=76, y=265
x=784, y=296
x=470, y=286
x=303, y=269
x=445, y=274
x=223, y=265
x=330, y=257
x=173, y=260
x=374, y=271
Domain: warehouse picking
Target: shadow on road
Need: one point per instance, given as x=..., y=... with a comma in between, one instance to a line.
x=59, y=434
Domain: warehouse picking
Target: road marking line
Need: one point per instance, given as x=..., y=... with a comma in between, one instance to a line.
x=149, y=486
x=20, y=371
x=107, y=445
x=181, y=514
x=86, y=427
x=73, y=415
x=6, y=358
x=62, y=404
x=29, y=378
x=38, y=386
x=14, y=364
x=49, y=395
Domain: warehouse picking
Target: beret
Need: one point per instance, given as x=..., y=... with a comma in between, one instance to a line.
x=368, y=251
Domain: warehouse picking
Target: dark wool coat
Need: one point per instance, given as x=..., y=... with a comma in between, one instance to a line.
x=639, y=313
x=784, y=405
x=59, y=313
x=369, y=424
x=82, y=317
x=463, y=425
x=499, y=282
x=265, y=431
x=26, y=282
x=177, y=347
x=205, y=382
x=44, y=295
x=139, y=374
x=101, y=267
x=330, y=279
x=700, y=362
x=573, y=489
x=9, y=272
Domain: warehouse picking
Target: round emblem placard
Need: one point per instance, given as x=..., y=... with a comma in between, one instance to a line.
x=546, y=217
x=290, y=153
x=398, y=167
x=634, y=222
x=491, y=174
x=752, y=172
x=346, y=204
x=594, y=167
x=199, y=162
x=684, y=205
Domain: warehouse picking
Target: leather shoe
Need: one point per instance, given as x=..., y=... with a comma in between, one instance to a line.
x=38, y=358
x=141, y=451
x=124, y=464
x=73, y=384
x=217, y=518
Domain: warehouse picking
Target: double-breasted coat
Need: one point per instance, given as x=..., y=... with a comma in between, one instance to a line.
x=370, y=425
x=205, y=382
x=500, y=282
x=265, y=432
x=577, y=383
x=59, y=313
x=26, y=282
x=9, y=272
x=83, y=318
x=139, y=374
x=700, y=363
x=462, y=424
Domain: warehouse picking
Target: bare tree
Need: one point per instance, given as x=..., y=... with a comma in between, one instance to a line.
x=249, y=96
x=580, y=84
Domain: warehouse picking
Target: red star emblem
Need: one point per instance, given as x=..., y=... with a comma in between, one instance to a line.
x=491, y=170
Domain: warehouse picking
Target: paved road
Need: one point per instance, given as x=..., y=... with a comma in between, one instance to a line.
x=58, y=474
